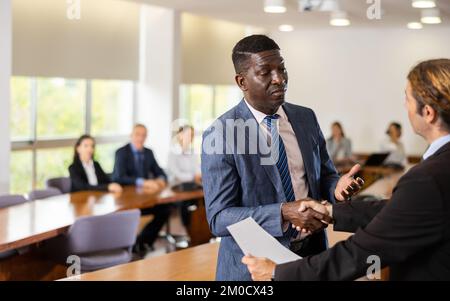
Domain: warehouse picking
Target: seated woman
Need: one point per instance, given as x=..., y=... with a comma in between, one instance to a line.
x=338, y=146
x=394, y=146
x=87, y=174
x=183, y=161
x=184, y=168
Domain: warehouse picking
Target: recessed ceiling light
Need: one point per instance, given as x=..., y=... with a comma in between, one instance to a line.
x=431, y=16
x=339, y=18
x=286, y=27
x=423, y=3
x=415, y=25
x=274, y=6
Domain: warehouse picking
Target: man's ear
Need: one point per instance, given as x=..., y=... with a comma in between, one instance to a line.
x=241, y=82
x=430, y=114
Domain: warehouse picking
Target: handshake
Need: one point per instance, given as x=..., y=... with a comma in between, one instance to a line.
x=309, y=216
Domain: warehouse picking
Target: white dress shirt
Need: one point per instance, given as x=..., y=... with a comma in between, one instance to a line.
x=397, y=154
x=89, y=169
x=436, y=145
x=183, y=165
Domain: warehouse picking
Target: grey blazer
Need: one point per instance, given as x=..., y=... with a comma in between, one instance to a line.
x=345, y=147
x=238, y=186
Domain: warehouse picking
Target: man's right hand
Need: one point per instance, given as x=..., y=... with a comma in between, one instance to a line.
x=307, y=219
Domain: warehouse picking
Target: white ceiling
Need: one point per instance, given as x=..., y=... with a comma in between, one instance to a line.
x=396, y=12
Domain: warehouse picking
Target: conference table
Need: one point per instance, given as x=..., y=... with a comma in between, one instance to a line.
x=26, y=225
x=35, y=221
x=193, y=264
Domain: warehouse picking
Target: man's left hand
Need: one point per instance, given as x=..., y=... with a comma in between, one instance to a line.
x=347, y=185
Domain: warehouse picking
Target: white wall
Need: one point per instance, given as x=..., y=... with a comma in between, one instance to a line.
x=102, y=43
x=5, y=74
x=358, y=76
x=206, y=46
x=159, y=76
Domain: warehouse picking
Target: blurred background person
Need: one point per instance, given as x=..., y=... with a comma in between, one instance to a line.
x=85, y=172
x=183, y=163
x=394, y=146
x=184, y=168
x=136, y=165
x=338, y=146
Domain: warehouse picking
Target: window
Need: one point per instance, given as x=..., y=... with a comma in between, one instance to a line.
x=201, y=104
x=226, y=97
x=112, y=107
x=21, y=108
x=105, y=153
x=49, y=114
x=52, y=163
x=60, y=108
x=21, y=171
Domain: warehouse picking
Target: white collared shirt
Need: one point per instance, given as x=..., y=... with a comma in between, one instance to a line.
x=183, y=165
x=436, y=145
x=89, y=169
x=294, y=155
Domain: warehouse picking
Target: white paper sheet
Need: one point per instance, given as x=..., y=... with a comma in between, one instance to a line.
x=254, y=240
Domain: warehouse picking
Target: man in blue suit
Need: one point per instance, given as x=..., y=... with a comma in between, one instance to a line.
x=290, y=163
x=136, y=165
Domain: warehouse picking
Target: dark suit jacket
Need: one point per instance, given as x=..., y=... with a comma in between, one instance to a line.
x=410, y=233
x=79, y=178
x=237, y=185
x=125, y=170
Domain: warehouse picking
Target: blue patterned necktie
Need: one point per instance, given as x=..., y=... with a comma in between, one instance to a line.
x=282, y=163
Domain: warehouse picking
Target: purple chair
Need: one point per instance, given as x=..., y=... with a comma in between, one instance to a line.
x=6, y=201
x=99, y=241
x=11, y=200
x=39, y=194
x=63, y=184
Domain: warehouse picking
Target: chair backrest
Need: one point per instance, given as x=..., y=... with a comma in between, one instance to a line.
x=11, y=199
x=43, y=193
x=64, y=184
x=104, y=232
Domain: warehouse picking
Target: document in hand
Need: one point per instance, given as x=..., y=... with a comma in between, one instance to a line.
x=254, y=240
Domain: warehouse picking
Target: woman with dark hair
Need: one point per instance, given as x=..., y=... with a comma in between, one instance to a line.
x=87, y=174
x=394, y=146
x=338, y=146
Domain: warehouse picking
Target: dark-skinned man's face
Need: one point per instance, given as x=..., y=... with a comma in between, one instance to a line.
x=265, y=81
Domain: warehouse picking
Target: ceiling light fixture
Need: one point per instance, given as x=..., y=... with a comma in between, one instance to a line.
x=431, y=16
x=423, y=3
x=285, y=27
x=415, y=25
x=274, y=6
x=339, y=18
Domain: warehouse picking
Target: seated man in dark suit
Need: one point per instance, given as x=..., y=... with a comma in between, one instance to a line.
x=136, y=165
x=410, y=232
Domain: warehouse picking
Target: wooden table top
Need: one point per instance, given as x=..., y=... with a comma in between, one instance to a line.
x=35, y=221
x=193, y=264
